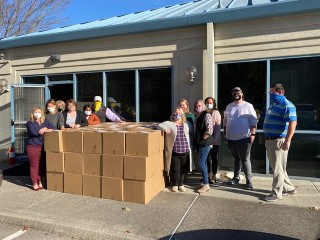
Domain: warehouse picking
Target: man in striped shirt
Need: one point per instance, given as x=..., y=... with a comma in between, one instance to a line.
x=278, y=127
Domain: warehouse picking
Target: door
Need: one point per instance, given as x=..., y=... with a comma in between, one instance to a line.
x=23, y=99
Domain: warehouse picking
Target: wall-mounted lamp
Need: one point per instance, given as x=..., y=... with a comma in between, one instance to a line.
x=4, y=86
x=55, y=58
x=3, y=59
x=191, y=74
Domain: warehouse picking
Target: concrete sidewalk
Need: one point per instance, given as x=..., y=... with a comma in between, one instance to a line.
x=94, y=218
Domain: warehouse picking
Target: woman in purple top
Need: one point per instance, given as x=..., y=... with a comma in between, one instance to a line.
x=36, y=127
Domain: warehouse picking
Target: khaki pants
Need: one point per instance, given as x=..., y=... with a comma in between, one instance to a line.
x=278, y=162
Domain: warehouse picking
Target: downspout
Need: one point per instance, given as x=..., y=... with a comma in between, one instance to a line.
x=209, y=86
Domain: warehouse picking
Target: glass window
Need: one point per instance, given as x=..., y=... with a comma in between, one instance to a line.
x=155, y=94
x=89, y=86
x=121, y=93
x=251, y=77
x=66, y=77
x=301, y=79
x=61, y=91
x=34, y=80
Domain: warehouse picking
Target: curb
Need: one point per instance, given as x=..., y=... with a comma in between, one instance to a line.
x=67, y=229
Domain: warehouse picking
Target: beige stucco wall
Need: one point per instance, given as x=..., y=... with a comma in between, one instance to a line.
x=294, y=35
x=178, y=48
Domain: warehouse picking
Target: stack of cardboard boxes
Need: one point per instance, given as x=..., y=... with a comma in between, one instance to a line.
x=118, y=161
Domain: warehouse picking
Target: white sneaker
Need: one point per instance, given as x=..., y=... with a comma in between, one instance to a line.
x=182, y=189
x=175, y=189
x=204, y=188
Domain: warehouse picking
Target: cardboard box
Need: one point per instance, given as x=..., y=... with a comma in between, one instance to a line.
x=72, y=141
x=73, y=183
x=55, y=181
x=91, y=186
x=92, y=142
x=73, y=163
x=143, y=143
x=53, y=141
x=112, y=188
x=55, y=161
x=142, y=168
x=142, y=191
x=92, y=164
x=113, y=143
x=112, y=166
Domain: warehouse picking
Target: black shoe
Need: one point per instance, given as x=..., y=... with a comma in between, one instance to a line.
x=234, y=181
x=249, y=185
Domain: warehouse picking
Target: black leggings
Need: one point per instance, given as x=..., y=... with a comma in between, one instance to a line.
x=212, y=160
x=179, y=167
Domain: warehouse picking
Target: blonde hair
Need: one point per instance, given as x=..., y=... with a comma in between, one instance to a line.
x=43, y=117
x=186, y=102
x=183, y=117
x=61, y=104
x=204, y=108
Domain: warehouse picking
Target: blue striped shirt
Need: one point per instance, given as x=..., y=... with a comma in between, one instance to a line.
x=277, y=119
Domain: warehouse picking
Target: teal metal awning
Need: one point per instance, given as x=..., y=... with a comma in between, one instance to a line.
x=170, y=17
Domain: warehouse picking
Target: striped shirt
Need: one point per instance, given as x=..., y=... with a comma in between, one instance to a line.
x=181, y=143
x=277, y=119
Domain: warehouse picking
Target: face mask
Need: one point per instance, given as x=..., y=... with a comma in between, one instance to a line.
x=97, y=106
x=37, y=115
x=198, y=109
x=88, y=113
x=59, y=109
x=51, y=110
x=209, y=106
x=276, y=98
x=236, y=97
x=176, y=116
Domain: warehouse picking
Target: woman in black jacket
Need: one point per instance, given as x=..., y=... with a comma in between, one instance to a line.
x=74, y=118
x=203, y=140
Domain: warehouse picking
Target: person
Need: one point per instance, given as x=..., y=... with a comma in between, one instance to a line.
x=73, y=118
x=91, y=117
x=203, y=141
x=104, y=113
x=53, y=116
x=183, y=103
x=60, y=105
x=212, y=160
x=177, y=148
x=240, y=123
x=278, y=127
x=36, y=127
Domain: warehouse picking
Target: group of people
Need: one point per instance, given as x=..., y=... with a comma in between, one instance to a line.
x=201, y=131
x=59, y=115
x=186, y=132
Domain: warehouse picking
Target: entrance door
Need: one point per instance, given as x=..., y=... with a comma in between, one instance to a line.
x=23, y=99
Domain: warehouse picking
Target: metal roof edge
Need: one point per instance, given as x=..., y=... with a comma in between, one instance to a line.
x=256, y=12
x=85, y=34
x=219, y=16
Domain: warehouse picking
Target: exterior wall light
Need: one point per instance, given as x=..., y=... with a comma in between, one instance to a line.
x=55, y=58
x=4, y=86
x=191, y=74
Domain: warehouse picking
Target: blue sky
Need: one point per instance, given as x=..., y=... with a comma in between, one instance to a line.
x=80, y=11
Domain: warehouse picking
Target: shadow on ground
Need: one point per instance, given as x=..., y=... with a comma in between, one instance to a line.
x=222, y=234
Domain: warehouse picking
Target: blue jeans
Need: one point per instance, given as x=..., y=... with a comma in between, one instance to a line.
x=203, y=154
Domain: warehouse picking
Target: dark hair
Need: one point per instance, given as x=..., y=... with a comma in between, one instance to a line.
x=87, y=106
x=49, y=101
x=214, y=102
x=72, y=101
x=278, y=87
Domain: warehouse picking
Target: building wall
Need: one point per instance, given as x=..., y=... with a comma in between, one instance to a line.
x=178, y=48
x=294, y=35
